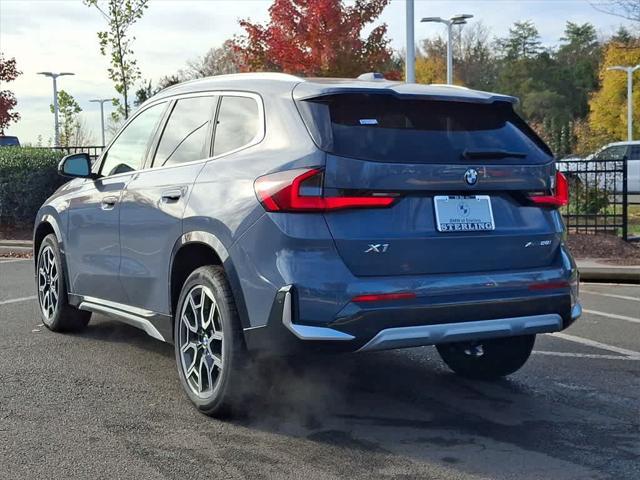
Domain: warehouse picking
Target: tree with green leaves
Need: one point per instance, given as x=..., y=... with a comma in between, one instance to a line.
x=522, y=42
x=124, y=71
x=69, y=110
x=578, y=60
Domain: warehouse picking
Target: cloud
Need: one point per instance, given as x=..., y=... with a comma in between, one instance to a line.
x=60, y=35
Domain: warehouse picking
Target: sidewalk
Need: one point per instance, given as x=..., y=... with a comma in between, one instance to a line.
x=593, y=270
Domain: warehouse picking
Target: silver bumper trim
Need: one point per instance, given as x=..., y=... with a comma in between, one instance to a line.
x=131, y=316
x=403, y=337
x=308, y=332
x=576, y=311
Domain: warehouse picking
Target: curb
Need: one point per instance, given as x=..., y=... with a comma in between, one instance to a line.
x=610, y=274
x=16, y=243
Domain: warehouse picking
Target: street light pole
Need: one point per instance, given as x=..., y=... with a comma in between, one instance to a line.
x=410, y=63
x=101, y=101
x=56, y=124
x=460, y=19
x=629, y=71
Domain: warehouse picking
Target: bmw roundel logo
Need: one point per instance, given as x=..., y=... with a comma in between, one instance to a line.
x=471, y=176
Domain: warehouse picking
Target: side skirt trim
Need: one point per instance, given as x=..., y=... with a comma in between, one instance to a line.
x=133, y=316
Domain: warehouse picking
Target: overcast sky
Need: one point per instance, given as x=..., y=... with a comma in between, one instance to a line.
x=60, y=35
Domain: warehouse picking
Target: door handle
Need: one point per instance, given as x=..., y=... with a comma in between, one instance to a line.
x=171, y=195
x=108, y=203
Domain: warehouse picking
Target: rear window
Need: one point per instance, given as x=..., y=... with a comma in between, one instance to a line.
x=385, y=128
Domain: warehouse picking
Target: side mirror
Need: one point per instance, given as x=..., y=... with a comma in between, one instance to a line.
x=77, y=165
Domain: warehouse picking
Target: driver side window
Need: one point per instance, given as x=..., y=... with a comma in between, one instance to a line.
x=127, y=153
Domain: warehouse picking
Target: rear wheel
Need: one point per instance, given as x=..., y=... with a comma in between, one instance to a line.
x=209, y=349
x=487, y=359
x=56, y=313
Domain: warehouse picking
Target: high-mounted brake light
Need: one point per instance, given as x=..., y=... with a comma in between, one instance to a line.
x=560, y=196
x=301, y=190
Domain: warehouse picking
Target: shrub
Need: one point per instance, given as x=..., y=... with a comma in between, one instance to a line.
x=28, y=176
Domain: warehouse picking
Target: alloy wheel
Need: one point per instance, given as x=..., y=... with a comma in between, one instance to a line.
x=201, y=340
x=48, y=278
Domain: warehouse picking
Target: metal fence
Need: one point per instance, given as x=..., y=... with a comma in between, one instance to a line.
x=599, y=199
x=93, y=151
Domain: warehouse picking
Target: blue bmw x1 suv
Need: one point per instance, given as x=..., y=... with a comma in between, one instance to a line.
x=269, y=214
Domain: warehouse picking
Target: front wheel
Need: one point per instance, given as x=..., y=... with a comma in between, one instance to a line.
x=57, y=314
x=487, y=359
x=209, y=348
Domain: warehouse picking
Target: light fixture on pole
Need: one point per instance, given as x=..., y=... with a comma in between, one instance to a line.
x=102, y=101
x=629, y=71
x=460, y=19
x=54, y=76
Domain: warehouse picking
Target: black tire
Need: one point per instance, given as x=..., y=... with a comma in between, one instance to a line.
x=500, y=357
x=57, y=315
x=224, y=395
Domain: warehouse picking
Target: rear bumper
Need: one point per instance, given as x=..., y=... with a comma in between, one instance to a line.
x=301, y=297
x=402, y=327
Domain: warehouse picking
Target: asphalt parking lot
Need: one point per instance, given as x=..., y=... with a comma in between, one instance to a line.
x=107, y=403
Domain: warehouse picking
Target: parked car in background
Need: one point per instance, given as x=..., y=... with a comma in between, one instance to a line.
x=607, y=176
x=261, y=214
x=8, y=141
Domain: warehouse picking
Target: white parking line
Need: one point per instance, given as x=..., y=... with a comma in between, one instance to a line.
x=16, y=300
x=612, y=315
x=584, y=355
x=611, y=295
x=594, y=344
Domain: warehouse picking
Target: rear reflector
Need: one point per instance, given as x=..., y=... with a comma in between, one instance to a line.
x=536, y=287
x=560, y=195
x=383, y=297
x=301, y=191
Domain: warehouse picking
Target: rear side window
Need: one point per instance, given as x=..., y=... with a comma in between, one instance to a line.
x=385, y=128
x=635, y=152
x=238, y=124
x=184, y=138
x=617, y=152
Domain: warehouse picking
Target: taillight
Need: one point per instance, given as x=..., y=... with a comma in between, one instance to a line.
x=301, y=190
x=560, y=196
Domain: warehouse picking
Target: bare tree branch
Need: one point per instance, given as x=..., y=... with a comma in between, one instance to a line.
x=629, y=9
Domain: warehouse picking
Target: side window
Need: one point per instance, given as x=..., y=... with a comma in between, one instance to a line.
x=237, y=124
x=612, y=153
x=635, y=152
x=127, y=153
x=185, y=136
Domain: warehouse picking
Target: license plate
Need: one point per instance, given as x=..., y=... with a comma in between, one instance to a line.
x=463, y=214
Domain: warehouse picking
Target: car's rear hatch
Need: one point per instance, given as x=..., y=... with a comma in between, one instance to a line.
x=473, y=157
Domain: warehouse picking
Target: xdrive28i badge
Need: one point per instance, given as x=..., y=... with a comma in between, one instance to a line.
x=471, y=176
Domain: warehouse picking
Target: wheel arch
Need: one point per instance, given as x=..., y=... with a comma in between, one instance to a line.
x=196, y=249
x=47, y=224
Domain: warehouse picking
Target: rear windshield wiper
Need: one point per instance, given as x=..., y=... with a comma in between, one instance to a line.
x=475, y=154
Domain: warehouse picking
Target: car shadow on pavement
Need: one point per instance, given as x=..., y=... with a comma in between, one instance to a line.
x=112, y=331
x=406, y=403
x=404, y=407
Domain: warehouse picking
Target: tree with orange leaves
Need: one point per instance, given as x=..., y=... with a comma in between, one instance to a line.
x=318, y=38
